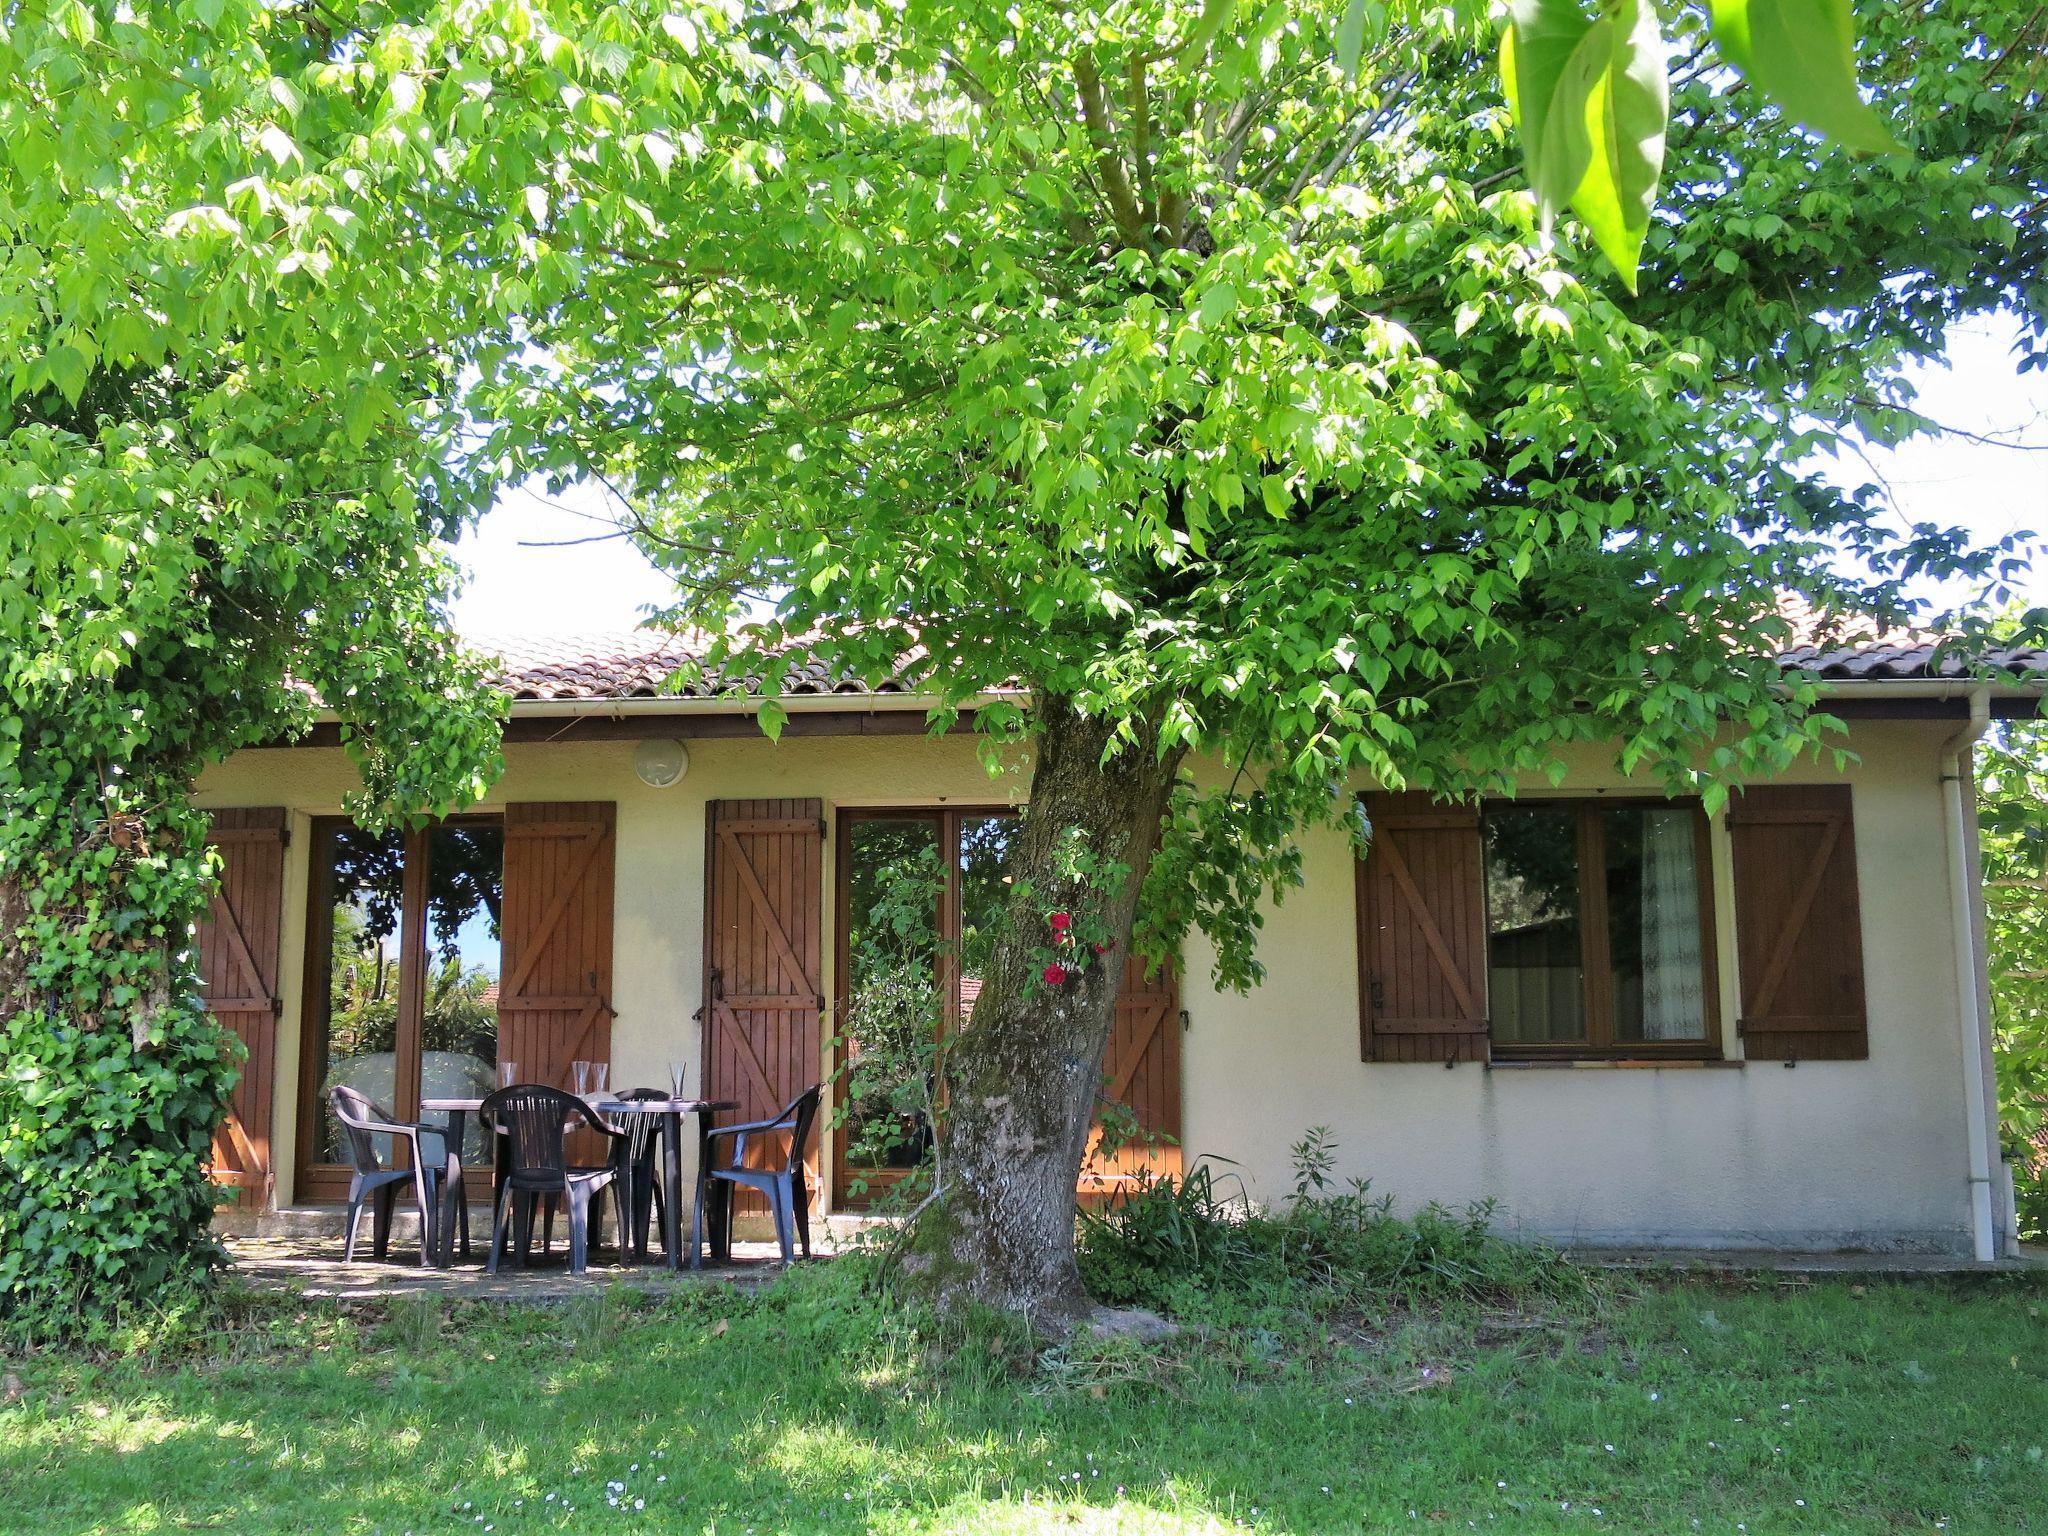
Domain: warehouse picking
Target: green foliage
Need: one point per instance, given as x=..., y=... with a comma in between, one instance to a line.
x=2013, y=809
x=1591, y=98
x=887, y=1107
x=1179, y=1245
x=225, y=467
x=1802, y=55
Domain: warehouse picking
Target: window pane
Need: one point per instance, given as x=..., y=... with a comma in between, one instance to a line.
x=985, y=844
x=365, y=882
x=459, y=1028
x=1535, y=978
x=894, y=866
x=1653, y=925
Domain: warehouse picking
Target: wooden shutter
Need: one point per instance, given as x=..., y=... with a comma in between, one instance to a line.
x=238, y=959
x=555, y=928
x=763, y=984
x=1798, y=924
x=1422, y=932
x=1141, y=1066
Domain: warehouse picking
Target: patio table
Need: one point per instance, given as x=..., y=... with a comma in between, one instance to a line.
x=671, y=1110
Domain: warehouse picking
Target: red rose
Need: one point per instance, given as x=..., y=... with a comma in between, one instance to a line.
x=1102, y=949
x=1061, y=922
x=1055, y=974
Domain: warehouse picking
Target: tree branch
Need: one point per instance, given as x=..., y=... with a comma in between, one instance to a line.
x=1116, y=181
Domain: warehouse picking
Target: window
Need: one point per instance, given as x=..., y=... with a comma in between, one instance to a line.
x=1599, y=929
x=963, y=858
x=402, y=971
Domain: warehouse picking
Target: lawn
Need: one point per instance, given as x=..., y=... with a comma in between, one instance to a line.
x=1652, y=1407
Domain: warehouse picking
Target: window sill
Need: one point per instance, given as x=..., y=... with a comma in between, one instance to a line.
x=1623, y=1063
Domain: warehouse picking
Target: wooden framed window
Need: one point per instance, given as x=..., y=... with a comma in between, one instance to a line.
x=1599, y=929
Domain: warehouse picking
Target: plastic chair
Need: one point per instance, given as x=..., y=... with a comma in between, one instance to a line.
x=641, y=1196
x=787, y=1187
x=533, y=1122
x=436, y=1183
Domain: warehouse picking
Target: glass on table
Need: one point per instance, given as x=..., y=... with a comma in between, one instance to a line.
x=599, y=1074
x=677, y=1072
x=508, y=1073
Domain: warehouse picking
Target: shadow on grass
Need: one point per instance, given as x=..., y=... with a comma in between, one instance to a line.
x=811, y=1407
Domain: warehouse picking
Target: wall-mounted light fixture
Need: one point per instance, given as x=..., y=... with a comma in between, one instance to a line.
x=660, y=761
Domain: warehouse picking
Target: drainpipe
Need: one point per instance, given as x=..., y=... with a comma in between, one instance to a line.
x=1956, y=756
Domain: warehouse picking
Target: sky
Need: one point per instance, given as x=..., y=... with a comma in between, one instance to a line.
x=524, y=579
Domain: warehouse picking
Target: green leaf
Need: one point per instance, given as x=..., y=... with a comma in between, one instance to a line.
x=1547, y=72
x=1802, y=55
x=1351, y=35
x=1591, y=99
x=1626, y=116
x=67, y=369
x=1217, y=303
x=277, y=144
x=1215, y=17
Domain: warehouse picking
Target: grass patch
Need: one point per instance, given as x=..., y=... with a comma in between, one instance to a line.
x=816, y=1405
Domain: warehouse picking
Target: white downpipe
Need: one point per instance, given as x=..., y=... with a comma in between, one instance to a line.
x=1955, y=758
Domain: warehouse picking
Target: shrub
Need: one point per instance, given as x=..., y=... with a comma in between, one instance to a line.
x=105, y=1216
x=1178, y=1243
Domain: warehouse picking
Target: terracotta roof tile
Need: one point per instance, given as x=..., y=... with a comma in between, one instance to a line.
x=637, y=664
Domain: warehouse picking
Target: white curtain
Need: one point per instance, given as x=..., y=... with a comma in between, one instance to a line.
x=1674, y=1001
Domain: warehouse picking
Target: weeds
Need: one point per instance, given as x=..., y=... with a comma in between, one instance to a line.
x=1182, y=1245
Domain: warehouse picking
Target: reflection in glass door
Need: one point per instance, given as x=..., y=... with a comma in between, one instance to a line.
x=402, y=978
x=963, y=858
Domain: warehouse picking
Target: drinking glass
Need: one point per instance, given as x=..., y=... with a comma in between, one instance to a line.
x=677, y=1071
x=508, y=1073
x=579, y=1077
x=600, y=1072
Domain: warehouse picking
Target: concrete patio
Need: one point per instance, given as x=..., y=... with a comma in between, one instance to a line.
x=299, y=1252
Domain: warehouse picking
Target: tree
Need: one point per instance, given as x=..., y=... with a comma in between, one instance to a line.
x=2013, y=809
x=1238, y=411
x=218, y=512
x=1203, y=370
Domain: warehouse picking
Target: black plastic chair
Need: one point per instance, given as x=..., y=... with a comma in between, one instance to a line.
x=533, y=1123
x=787, y=1187
x=436, y=1182
x=640, y=1196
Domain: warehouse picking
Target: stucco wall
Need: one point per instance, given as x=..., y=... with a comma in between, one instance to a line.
x=1826, y=1154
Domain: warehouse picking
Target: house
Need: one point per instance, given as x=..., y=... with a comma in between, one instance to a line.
x=1625, y=1021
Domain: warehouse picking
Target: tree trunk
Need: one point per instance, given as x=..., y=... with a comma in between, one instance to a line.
x=1023, y=1075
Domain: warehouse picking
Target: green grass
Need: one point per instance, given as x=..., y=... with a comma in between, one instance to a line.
x=1883, y=1407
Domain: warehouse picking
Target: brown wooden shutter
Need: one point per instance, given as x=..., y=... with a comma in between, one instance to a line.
x=1422, y=932
x=1141, y=1066
x=555, y=930
x=238, y=960
x=1798, y=924
x=763, y=984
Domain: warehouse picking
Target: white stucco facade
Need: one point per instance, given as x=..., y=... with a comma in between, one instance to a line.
x=1863, y=1154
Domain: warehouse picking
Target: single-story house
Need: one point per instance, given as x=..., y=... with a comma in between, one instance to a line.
x=1623, y=1020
